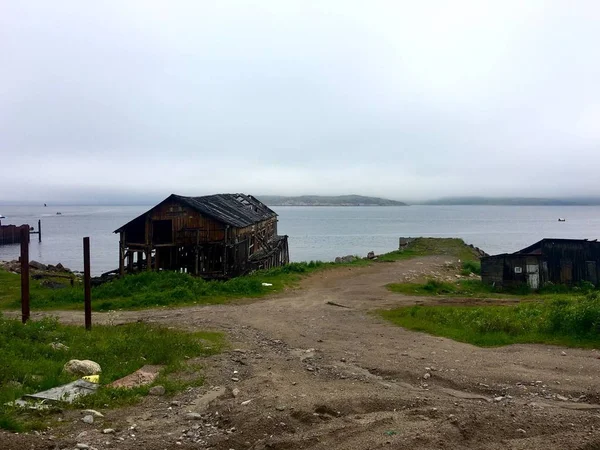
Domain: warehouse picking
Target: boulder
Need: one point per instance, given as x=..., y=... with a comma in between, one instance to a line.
x=37, y=265
x=371, y=255
x=82, y=367
x=157, y=390
x=345, y=259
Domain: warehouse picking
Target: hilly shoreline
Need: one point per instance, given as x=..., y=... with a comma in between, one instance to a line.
x=320, y=200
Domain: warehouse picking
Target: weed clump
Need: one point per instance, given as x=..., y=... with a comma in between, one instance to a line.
x=570, y=321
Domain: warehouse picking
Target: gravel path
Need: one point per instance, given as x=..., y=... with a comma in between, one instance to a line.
x=313, y=368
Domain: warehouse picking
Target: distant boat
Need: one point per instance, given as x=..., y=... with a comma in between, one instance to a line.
x=45, y=205
x=2, y=217
x=58, y=213
x=560, y=219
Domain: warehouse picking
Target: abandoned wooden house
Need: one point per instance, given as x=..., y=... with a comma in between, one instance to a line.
x=215, y=236
x=557, y=261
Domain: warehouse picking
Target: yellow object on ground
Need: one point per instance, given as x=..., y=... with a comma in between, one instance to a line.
x=92, y=378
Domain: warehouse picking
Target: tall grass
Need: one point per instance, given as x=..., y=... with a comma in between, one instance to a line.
x=451, y=247
x=568, y=321
x=165, y=288
x=28, y=363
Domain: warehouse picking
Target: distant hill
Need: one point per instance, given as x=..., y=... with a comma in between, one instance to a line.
x=515, y=201
x=320, y=200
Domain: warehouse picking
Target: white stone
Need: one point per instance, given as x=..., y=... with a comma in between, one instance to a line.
x=82, y=367
x=88, y=419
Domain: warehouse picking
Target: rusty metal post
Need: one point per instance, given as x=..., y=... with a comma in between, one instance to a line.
x=87, y=285
x=25, y=274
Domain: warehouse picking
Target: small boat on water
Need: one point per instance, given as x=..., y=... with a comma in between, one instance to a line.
x=58, y=213
x=2, y=217
x=560, y=219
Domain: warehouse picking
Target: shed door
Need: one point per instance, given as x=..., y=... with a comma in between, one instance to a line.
x=566, y=271
x=533, y=276
x=592, y=274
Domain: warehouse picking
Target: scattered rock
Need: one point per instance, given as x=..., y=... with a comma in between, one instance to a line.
x=235, y=379
x=88, y=419
x=108, y=431
x=280, y=408
x=427, y=376
x=563, y=353
x=92, y=412
x=157, y=390
x=193, y=416
x=244, y=403
x=58, y=346
x=498, y=399
x=521, y=430
x=82, y=446
x=141, y=377
x=82, y=368
x=235, y=392
x=562, y=397
x=37, y=265
x=345, y=259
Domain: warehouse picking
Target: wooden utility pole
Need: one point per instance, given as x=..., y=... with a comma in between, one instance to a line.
x=25, y=274
x=87, y=285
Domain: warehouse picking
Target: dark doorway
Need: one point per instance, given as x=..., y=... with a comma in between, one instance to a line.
x=592, y=274
x=162, y=232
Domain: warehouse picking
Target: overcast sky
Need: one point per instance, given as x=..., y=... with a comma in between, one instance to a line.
x=131, y=100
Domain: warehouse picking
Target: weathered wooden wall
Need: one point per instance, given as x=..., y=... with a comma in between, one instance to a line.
x=559, y=261
x=174, y=236
x=11, y=234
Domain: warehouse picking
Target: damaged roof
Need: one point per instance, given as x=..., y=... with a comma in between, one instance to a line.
x=237, y=210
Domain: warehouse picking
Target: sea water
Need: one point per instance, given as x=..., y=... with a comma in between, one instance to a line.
x=315, y=233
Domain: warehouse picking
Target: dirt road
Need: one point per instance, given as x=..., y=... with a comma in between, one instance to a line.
x=313, y=368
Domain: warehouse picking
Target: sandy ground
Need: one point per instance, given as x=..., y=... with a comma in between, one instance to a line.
x=303, y=373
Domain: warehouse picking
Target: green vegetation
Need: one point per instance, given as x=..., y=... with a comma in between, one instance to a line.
x=564, y=321
x=154, y=289
x=474, y=288
x=450, y=247
x=469, y=267
x=29, y=364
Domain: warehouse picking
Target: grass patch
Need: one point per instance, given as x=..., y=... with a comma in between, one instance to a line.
x=28, y=364
x=160, y=289
x=155, y=289
x=469, y=267
x=451, y=247
x=564, y=321
x=474, y=288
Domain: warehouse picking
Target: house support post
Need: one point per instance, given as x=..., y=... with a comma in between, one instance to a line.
x=122, y=254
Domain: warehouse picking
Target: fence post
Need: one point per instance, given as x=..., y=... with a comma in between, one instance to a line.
x=87, y=286
x=25, y=274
